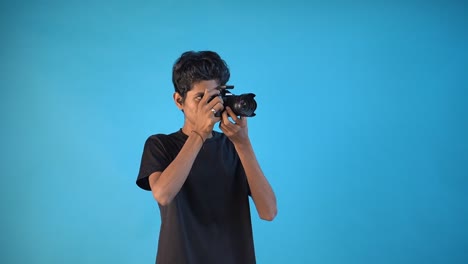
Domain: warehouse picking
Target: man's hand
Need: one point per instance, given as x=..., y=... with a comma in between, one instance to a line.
x=206, y=111
x=236, y=130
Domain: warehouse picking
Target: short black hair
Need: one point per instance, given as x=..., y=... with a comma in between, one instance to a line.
x=195, y=66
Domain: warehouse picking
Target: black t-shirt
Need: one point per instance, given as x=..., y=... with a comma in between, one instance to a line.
x=208, y=221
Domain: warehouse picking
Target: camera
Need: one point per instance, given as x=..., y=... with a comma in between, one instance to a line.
x=241, y=105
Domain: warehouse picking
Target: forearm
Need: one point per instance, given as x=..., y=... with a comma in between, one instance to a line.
x=170, y=181
x=261, y=191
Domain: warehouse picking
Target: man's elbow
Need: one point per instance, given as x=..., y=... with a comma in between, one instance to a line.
x=161, y=198
x=269, y=216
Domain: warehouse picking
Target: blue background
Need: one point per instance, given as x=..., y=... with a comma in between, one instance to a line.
x=361, y=127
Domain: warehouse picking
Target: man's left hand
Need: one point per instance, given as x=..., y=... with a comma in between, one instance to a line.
x=236, y=130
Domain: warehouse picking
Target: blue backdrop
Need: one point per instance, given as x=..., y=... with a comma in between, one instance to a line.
x=361, y=127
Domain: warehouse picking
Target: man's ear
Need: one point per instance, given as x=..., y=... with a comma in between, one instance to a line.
x=178, y=100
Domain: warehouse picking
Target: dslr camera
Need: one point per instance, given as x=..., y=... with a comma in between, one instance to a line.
x=241, y=105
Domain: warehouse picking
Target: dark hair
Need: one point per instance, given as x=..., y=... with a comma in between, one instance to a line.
x=195, y=66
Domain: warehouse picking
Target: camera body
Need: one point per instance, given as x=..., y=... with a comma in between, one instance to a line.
x=241, y=105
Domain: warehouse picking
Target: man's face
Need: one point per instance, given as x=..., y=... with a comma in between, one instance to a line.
x=194, y=96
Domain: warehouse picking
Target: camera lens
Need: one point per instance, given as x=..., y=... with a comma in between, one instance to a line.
x=244, y=104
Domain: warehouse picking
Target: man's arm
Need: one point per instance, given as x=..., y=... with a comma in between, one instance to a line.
x=260, y=189
x=165, y=185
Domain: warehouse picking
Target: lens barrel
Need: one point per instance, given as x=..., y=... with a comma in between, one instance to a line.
x=241, y=105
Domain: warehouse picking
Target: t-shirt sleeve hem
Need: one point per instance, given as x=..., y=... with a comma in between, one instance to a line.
x=143, y=183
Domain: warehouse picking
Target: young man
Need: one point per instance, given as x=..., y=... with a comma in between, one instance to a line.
x=201, y=178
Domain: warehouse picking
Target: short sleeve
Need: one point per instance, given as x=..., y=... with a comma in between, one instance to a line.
x=154, y=158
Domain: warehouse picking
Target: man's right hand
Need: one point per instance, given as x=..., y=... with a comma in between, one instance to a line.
x=209, y=105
